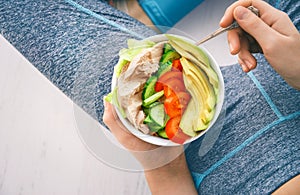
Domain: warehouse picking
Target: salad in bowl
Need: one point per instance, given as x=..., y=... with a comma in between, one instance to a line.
x=166, y=90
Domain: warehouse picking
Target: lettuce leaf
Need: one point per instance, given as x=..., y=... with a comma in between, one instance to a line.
x=127, y=54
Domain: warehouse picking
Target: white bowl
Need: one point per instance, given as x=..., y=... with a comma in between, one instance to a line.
x=165, y=142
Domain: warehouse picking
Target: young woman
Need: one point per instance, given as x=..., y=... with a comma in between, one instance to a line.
x=258, y=148
x=75, y=44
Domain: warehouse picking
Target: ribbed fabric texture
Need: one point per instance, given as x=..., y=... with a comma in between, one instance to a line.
x=75, y=44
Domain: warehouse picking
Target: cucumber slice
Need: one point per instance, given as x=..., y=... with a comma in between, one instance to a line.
x=168, y=47
x=146, y=110
x=153, y=98
x=149, y=87
x=169, y=56
x=156, y=120
x=164, y=68
x=154, y=127
x=148, y=120
x=157, y=114
x=162, y=133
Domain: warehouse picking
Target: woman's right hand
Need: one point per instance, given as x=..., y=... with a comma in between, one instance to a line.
x=273, y=31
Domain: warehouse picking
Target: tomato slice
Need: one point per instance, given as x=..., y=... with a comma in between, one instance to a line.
x=176, y=103
x=168, y=92
x=168, y=78
x=158, y=86
x=172, y=106
x=176, y=65
x=175, y=85
x=170, y=75
x=180, y=137
x=184, y=98
x=174, y=132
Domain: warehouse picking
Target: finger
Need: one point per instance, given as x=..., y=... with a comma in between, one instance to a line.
x=243, y=66
x=273, y=17
x=245, y=58
x=126, y=138
x=266, y=11
x=112, y=121
x=108, y=115
x=253, y=25
x=233, y=37
x=228, y=18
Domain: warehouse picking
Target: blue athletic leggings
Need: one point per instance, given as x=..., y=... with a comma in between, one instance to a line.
x=253, y=149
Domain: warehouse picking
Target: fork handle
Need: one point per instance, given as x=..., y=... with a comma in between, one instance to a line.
x=231, y=26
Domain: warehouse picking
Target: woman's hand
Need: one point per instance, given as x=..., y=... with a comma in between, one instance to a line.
x=274, y=32
x=149, y=155
x=127, y=139
x=166, y=170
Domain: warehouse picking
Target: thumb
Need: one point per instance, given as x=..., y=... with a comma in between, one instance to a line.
x=253, y=25
x=110, y=117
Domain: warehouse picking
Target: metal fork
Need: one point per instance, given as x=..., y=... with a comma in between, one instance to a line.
x=231, y=26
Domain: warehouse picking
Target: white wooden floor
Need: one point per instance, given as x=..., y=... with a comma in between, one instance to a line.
x=41, y=150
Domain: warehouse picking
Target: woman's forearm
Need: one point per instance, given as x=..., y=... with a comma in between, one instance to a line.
x=172, y=178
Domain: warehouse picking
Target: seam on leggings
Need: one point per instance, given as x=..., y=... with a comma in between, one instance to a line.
x=265, y=94
x=107, y=21
x=198, y=177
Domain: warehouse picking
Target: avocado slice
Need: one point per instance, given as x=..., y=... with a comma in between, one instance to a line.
x=197, y=56
x=199, y=81
x=188, y=122
x=203, y=99
x=191, y=48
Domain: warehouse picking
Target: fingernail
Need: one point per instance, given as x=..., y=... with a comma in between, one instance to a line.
x=241, y=12
x=230, y=47
x=105, y=103
x=244, y=67
x=248, y=64
x=221, y=21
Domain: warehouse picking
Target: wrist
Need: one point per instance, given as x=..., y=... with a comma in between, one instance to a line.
x=170, y=168
x=171, y=178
